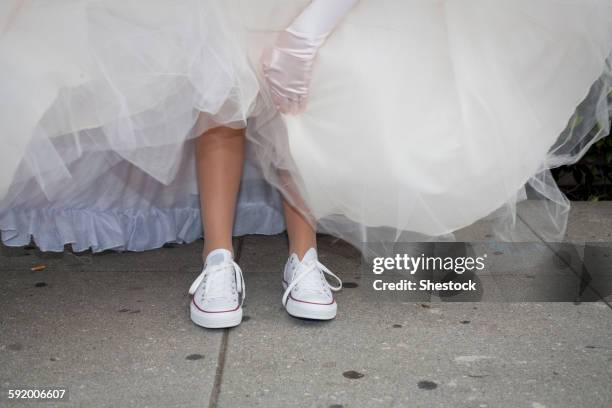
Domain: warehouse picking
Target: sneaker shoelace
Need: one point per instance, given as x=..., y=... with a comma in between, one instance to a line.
x=221, y=281
x=310, y=276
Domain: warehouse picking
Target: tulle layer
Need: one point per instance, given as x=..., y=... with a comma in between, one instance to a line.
x=102, y=101
x=427, y=116
x=424, y=117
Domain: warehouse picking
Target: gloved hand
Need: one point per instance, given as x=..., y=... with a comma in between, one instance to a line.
x=288, y=69
x=288, y=65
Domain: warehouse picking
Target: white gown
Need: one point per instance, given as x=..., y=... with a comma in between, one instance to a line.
x=424, y=116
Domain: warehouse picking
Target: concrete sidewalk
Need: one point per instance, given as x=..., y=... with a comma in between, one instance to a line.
x=115, y=330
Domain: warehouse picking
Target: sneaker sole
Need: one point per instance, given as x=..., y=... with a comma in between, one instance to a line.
x=310, y=310
x=215, y=320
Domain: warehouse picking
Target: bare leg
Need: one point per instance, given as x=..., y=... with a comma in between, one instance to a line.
x=219, y=161
x=302, y=235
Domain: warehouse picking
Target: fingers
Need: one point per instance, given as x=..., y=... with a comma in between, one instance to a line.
x=292, y=106
x=297, y=106
x=287, y=103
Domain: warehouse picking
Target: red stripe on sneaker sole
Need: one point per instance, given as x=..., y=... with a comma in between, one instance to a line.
x=312, y=303
x=220, y=311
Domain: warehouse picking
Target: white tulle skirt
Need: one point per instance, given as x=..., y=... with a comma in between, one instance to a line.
x=425, y=117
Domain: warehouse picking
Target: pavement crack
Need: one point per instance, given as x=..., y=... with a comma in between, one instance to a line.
x=216, y=389
x=213, y=401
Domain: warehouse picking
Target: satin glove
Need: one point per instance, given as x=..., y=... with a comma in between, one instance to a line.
x=289, y=64
x=288, y=69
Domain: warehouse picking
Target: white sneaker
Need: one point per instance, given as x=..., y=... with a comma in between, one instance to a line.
x=307, y=293
x=218, y=293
